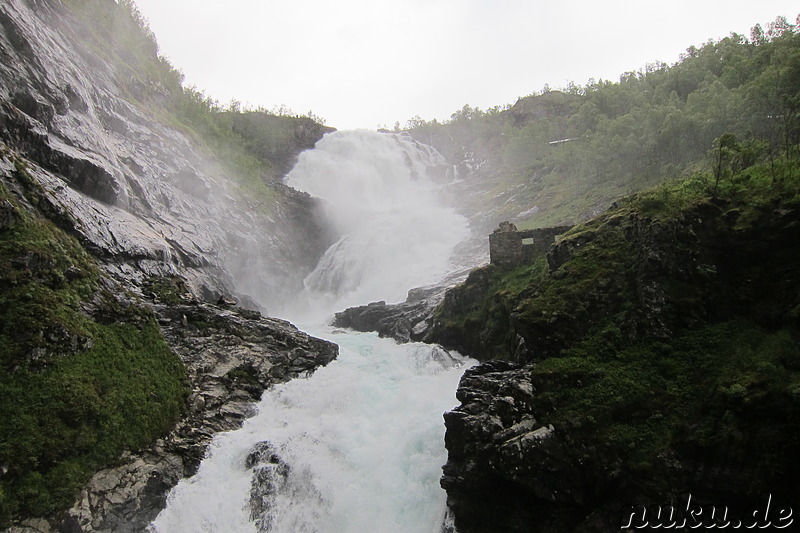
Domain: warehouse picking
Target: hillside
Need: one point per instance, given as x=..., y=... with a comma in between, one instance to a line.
x=562, y=156
x=651, y=354
x=128, y=210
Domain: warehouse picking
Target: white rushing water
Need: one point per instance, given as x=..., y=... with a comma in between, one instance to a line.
x=359, y=445
x=395, y=232
x=363, y=441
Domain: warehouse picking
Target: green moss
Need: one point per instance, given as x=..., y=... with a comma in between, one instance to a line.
x=703, y=392
x=245, y=377
x=76, y=388
x=168, y=290
x=475, y=317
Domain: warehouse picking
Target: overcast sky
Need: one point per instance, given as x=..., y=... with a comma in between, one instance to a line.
x=370, y=63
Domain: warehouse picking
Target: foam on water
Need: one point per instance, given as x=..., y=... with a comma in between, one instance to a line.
x=362, y=439
x=359, y=445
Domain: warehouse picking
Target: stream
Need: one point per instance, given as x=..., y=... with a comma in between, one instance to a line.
x=358, y=445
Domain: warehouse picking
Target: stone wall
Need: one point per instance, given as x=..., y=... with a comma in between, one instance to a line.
x=510, y=247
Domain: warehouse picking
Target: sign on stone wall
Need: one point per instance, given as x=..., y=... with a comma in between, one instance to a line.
x=511, y=247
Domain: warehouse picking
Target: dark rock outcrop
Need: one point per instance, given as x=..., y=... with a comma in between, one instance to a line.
x=501, y=456
x=270, y=480
x=652, y=357
x=409, y=321
x=269, y=476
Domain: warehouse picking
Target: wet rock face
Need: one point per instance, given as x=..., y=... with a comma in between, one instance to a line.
x=269, y=476
x=486, y=438
x=8, y=215
x=409, y=321
x=146, y=197
x=231, y=355
x=269, y=481
x=506, y=471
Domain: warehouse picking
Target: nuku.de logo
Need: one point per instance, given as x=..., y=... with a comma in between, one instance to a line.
x=710, y=516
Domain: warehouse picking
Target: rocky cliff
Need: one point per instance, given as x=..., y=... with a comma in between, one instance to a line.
x=652, y=356
x=145, y=190
x=127, y=234
x=231, y=356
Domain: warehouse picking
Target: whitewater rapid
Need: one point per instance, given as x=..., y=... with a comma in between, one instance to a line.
x=362, y=438
x=382, y=198
x=359, y=445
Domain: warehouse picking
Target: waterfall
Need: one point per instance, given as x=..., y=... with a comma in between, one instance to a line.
x=359, y=445
x=382, y=199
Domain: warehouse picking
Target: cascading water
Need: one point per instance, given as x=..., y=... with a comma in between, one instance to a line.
x=358, y=446
x=395, y=232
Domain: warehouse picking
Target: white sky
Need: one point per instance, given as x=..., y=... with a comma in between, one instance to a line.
x=370, y=63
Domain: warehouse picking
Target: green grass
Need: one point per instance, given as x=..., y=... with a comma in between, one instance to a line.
x=84, y=375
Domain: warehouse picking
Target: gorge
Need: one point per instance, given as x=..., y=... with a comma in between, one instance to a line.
x=320, y=455
x=170, y=268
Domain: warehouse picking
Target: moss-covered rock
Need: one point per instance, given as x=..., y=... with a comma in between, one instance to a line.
x=86, y=373
x=655, y=355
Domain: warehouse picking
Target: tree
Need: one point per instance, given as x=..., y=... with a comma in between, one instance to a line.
x=725, y=152
x=757, y=35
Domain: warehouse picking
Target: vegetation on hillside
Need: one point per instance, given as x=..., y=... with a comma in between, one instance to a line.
x=663, y=335
x=84, y=372
x=120, y=34
x=605, y=253
x=560, y=156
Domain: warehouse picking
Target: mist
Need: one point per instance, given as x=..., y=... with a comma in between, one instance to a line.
x=382, y=201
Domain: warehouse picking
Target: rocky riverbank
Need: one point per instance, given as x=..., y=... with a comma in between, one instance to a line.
x=126, y=233
x=231, y=355
x=408, y=321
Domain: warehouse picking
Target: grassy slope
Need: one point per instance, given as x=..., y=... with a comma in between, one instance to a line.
x=85, y=372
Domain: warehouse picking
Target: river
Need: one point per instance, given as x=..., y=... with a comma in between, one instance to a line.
x=358, y=445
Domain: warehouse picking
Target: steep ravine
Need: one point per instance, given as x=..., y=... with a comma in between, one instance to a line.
x=126, y=240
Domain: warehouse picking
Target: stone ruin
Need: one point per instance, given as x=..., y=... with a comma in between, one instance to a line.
x=510, y=247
